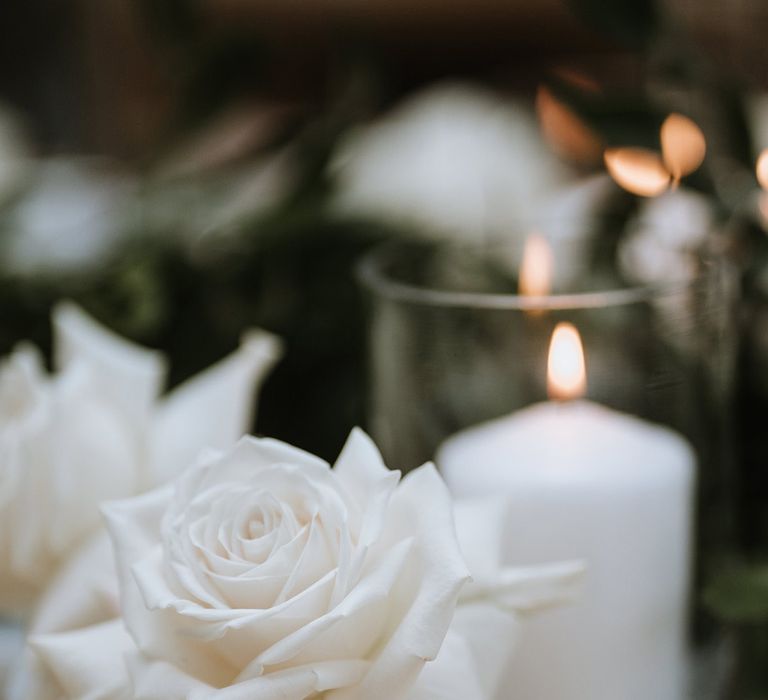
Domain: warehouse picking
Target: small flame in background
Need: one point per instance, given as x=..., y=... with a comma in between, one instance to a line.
x=761, y=170
x=566, y=370
x=536, y=268
x=649, y=173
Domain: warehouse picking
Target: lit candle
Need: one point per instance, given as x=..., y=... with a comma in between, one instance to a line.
x=536, y=267
x=585, y=482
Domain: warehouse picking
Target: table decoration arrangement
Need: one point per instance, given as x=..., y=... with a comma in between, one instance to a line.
x=560, y=299
x=263, y=573
x=636, y=480
x=726, y=217
x=257, y=571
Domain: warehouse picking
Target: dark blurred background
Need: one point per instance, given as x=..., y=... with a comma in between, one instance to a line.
x=120, y=77
x=173, y=165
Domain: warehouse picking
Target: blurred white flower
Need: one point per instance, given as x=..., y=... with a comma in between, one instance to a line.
x=97, y=429
x=661, y=243
x=71, y=218
x=454, y=161
x=264, y=574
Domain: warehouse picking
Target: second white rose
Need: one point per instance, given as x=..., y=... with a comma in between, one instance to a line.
x=97, y=429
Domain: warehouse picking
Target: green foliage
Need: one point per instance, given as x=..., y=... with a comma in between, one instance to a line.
x=292, y=274
x=740, y=595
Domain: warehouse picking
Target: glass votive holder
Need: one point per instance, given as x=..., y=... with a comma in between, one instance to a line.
x=627, y=469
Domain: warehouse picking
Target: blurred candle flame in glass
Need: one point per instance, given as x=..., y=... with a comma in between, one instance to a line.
x=536, y=268
x=566, y=371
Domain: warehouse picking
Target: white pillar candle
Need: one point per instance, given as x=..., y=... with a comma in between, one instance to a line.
x=584, y=481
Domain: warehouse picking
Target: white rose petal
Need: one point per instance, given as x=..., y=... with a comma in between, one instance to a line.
x=130, y=377
x=88, y=663
x=84, y=591
x=488, y=617
x=186, y=421
x=97, y=430
x=452, y=675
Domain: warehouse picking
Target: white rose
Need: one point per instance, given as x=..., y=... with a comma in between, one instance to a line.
x=97, y=429
x=72, y=217
x=262, y=574
x=455, y=161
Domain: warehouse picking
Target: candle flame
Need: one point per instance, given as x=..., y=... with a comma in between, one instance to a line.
x=536, y=267
x=761, y=169
x=566, y=372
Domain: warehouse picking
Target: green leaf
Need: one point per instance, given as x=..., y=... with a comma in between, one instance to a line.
x=740, y=595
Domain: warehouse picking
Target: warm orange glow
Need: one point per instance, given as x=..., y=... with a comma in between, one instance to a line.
x=536, y=267
x=648, y=173
x=762, y=169
x=564, y=131
x=637, y=170
x=577, y=78
x=683, y=146
x=566, y=372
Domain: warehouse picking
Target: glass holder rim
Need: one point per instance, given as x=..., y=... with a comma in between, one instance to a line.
x=371, y=274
